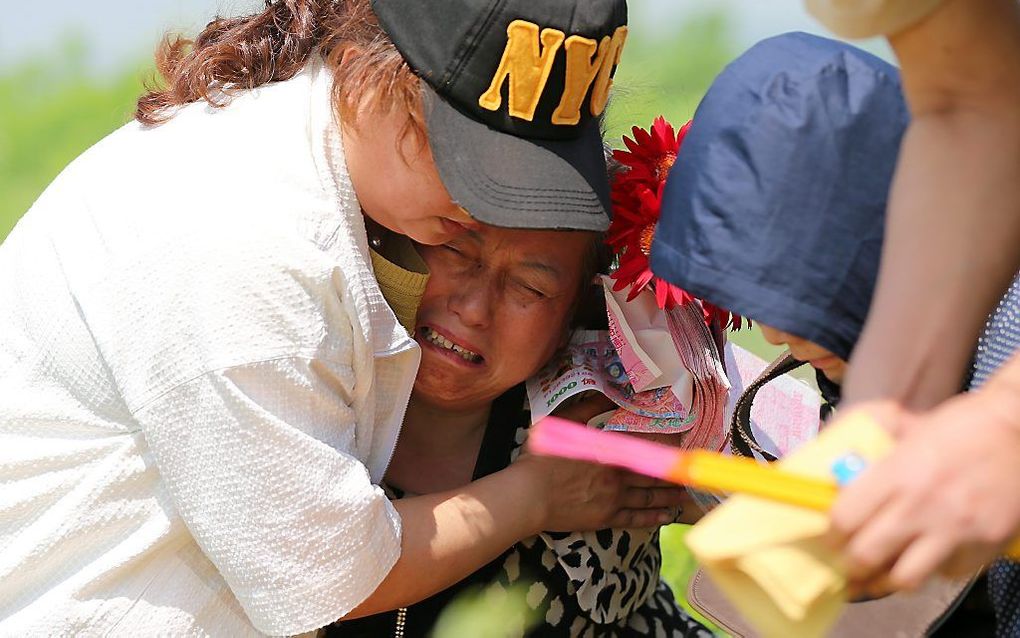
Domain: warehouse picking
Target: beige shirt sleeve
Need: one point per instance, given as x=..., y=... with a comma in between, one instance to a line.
x=868, y=18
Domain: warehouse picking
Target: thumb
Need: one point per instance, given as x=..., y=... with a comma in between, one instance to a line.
x=889, y=414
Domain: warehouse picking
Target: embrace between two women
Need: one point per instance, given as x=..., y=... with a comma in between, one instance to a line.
x=216, y=325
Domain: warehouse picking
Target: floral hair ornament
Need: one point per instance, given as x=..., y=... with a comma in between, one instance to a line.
x=637, y=201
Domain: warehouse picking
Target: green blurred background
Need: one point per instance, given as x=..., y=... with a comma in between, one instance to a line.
x=57, y=101
x=64, y=87
x=70, y=72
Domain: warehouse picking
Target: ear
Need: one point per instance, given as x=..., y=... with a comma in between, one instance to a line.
x=351, y=51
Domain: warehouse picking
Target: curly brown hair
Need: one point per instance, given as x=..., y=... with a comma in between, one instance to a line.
x=235, y=54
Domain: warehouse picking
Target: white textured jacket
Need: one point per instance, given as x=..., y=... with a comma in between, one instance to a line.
x=200, y=382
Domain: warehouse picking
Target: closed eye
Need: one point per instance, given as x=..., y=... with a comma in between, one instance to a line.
x=455, y=253
x=458, y=258
x=531, y=291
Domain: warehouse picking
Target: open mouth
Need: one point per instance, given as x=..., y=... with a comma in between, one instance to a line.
x=438, y=340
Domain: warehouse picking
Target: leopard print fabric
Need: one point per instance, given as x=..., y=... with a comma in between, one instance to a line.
x=596, y=584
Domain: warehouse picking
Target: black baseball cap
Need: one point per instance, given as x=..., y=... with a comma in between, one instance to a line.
x=513, y=94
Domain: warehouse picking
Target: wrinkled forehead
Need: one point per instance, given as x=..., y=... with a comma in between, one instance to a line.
x=559, y=252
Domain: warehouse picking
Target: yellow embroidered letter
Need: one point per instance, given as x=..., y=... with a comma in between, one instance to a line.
x=600, y=92
x=581, y=71
x=527, y=67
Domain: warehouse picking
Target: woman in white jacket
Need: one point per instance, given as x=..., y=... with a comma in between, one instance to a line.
x=201, y=382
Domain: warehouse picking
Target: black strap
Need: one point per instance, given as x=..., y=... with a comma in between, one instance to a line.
x=741, y=435
x=505, y=416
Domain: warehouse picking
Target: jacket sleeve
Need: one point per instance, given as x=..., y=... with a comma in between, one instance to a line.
x=286, y=513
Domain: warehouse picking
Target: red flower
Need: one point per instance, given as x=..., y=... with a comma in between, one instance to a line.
x=725, y=318
x=651, y=153
x=637, y=201
x=635, y=211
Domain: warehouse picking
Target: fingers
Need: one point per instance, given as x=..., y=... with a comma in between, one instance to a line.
x=921, y=558
x=639, y=498
x=690, y=513
x=943, y=554
x=648, y=502
x=940, y=503
x=641, y=518
x=637, y=480
x=875, y=545
x=870, y=590
x=860, y=521
x=859, y=502
x=919, y=561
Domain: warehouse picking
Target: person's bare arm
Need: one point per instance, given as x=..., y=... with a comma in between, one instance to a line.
x=448, y=535
x=953, y=233
x=946, y=498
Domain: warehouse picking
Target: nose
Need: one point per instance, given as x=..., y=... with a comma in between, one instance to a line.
x=775, y=337
x=472, y=302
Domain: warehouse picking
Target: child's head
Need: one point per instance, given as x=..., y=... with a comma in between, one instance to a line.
x=775, y=207
x=833, y=367
x=451, y=110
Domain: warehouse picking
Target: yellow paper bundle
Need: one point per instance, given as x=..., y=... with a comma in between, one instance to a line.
x=771, y=559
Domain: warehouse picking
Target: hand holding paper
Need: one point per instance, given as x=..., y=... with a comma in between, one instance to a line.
x=768, y=552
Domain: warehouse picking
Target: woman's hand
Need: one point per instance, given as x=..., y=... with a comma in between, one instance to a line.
x=945, y=500
x=688, y=511
x=574, y=496
x=583, y=496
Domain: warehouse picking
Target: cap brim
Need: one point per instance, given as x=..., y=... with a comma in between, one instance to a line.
x=514, y=182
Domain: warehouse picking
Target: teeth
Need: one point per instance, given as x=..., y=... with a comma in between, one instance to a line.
x=434, y=337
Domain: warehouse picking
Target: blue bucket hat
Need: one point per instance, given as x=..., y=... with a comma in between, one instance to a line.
x=775, y=206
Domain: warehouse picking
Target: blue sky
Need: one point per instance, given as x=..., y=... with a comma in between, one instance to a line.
x=119, y=31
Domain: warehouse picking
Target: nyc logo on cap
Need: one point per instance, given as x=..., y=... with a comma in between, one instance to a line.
x=528, y=61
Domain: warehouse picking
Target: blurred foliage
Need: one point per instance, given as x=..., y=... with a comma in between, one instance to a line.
x=52, y=109
x=668, y=75
x=678, y=566
x=492, y=612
